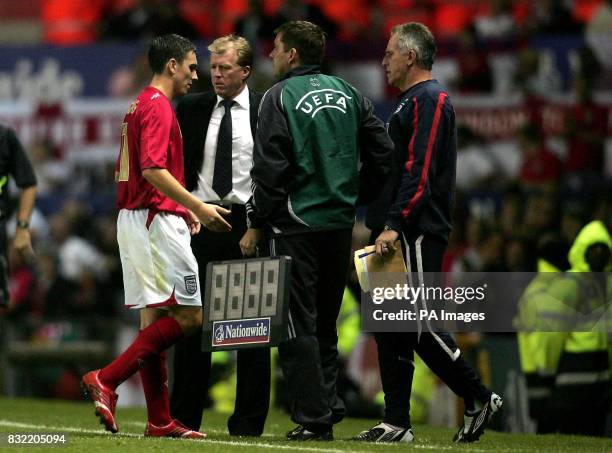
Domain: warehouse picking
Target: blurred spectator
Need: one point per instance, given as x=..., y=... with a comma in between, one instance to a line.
x=498, y=23
x=483, y=250
x=573, y=218
x=519, y=255
x=256, y=25
x=540, y=169
x=540, y=215
x=536, y=75
x=476, y=164
x=599, y=38
x=69, y=22
x=106, y=242
x=551, y=17
x=453, y=16
x=22, y=288
x=511, y=213
x=352, y=18
x=585, y=131
x=474, y=71
x=53, y=172
x=76, y=255
x=52, y=289
x=147, y=19
x=401, y=11
x=309, y=11
x=128, y=81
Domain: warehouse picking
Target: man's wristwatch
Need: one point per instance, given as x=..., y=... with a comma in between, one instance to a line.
x=23, y=224
x=388, y=228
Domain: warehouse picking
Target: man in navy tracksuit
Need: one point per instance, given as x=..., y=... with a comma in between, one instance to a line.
x=415, y=206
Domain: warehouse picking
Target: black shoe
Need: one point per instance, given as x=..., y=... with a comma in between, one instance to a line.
x=294, y=432
x=474, y=424
x=385, y=433
x=302, y=434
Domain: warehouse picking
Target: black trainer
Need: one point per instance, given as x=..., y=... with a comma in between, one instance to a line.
x=300, y=433
x=386, y=433
x=474, y=423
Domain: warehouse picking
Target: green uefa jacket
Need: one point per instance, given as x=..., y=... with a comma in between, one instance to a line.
x=318, y=149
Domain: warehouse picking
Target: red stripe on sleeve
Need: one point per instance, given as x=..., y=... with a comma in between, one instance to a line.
x=430, y=144
x=415, y=128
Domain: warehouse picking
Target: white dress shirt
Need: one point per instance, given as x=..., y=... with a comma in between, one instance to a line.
x=242, y=152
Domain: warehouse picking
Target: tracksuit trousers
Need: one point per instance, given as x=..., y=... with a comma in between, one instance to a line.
x=309, y=356
x=438, y=350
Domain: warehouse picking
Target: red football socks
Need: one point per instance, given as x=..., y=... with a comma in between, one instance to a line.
x=154, y=378
x=156, y=338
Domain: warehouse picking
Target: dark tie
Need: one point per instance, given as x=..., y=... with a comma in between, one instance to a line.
x=222, y=177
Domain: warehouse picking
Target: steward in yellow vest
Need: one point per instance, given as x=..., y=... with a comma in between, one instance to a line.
x=569, y=341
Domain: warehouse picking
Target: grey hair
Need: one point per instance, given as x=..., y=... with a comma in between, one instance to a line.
x=418, y=38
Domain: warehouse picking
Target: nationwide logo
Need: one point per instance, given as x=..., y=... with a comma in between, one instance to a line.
x=314, y=101
x=241, y=331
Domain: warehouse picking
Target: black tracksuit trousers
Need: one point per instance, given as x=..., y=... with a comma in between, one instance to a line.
x=437, y=349
x=309, y=356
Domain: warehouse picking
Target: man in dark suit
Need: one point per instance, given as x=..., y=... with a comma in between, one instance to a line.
x=218, y=129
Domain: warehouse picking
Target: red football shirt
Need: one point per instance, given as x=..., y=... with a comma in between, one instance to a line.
x=150, y=138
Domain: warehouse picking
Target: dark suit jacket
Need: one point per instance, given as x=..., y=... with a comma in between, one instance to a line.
x=193, y=113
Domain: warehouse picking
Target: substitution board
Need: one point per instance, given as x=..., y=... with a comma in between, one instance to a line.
x=245, y=303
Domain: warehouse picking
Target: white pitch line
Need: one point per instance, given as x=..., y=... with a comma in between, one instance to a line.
x=133, y=435
x=233, y=443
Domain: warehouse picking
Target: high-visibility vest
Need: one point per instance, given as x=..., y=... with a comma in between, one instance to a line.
x=348, y=324
x=539, y=352
x=571, y=322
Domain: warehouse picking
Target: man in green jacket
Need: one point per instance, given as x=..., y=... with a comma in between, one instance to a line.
x=317, y=150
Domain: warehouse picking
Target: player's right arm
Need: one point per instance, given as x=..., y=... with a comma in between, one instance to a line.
x=156, y=121
x=209, y=215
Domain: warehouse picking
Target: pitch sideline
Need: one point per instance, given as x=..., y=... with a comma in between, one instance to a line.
x=9, y=423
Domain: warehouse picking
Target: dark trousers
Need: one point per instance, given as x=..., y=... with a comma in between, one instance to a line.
x=4, y=268
x=192, y=366
x=309, y=357
x=437, y=349
x=541, y=411
x=581, y=408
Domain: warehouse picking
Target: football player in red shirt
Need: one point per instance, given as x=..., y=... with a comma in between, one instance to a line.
x=156, y=217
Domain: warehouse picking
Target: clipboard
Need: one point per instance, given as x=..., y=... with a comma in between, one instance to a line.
x=367, y=262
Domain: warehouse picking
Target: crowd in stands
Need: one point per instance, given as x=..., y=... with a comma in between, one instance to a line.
x=81, y=21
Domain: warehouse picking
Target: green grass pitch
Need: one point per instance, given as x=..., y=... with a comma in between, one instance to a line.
x=84, y=434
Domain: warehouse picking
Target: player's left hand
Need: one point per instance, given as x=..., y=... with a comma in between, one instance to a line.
x=248, y=243
x=193, y=223
x=385, y=242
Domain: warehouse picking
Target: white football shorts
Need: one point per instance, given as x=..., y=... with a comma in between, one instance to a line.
x=159, y=269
